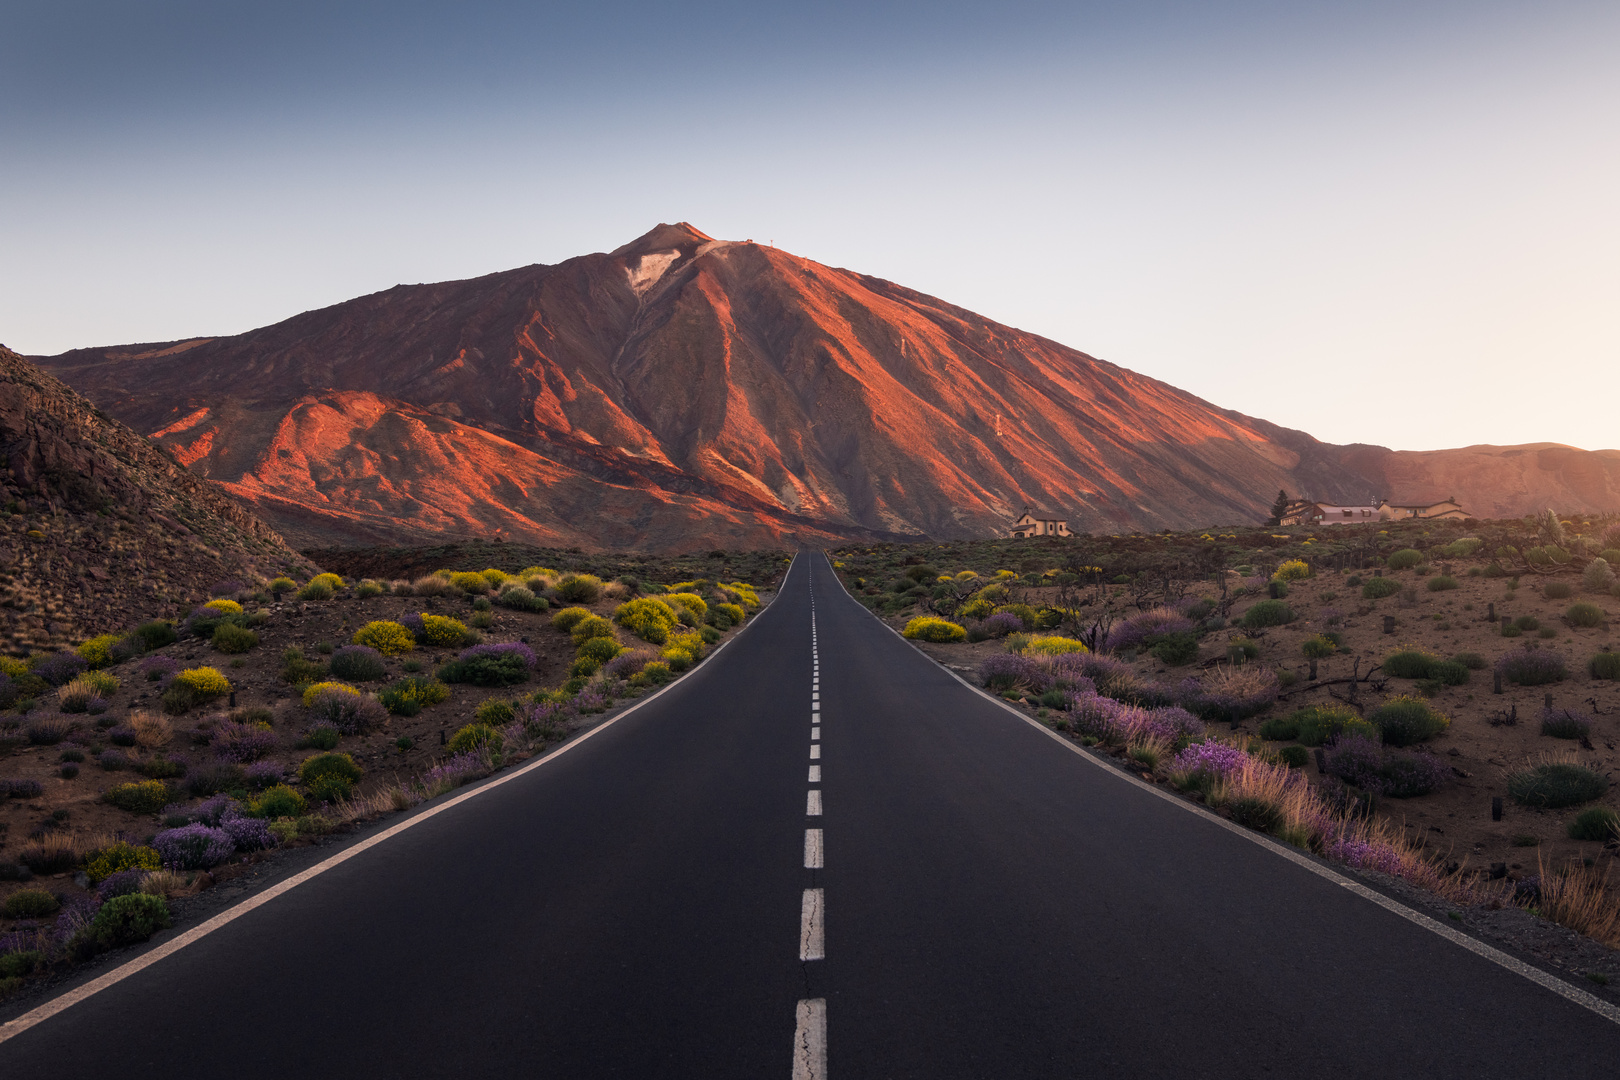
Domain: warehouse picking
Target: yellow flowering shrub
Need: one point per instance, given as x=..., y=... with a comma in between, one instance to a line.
x=387, y=637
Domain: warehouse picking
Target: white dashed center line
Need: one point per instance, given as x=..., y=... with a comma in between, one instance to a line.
x=812, y=803
x=812, y=849
x=812, y=936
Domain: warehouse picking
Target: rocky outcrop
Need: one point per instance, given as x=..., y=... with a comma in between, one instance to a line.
x=100, y=526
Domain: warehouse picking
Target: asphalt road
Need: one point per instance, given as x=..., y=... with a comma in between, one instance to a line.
x=974, y=900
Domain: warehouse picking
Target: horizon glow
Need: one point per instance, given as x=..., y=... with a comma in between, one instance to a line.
x=1394, y=225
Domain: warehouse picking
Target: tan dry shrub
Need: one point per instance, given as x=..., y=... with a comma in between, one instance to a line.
x=402, y=588
x=151, y=730
x=432, y=585
x=1238, y=680
x=165, y=883
x=615, y=590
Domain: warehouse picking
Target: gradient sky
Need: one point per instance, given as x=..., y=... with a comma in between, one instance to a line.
x=1379, y=222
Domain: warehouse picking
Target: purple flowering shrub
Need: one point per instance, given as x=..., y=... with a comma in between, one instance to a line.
x=1565, y=723
x=194, y=847
x=456, y=770
x=349, y=713
x=248, y=834
x=1532, y=667
x=74, y=920
x=1367, y=764
x=211, y=811
x=1139, y=629
x=588, y=701
x=159, y=669
x=61, y=668
x=263, y=774
x=1006, y=671
x=1363, y=854
x=496, y=664
x=241, y=743
x=625, y=665
x=1203, y=764
x=1001, y=624
x=21, y=789
x=122, y=883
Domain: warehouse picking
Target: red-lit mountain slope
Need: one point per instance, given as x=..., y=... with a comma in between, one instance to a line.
x=684, y=391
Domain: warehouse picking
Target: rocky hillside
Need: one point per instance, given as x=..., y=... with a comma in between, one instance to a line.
x=102, y=526
x=684, y=392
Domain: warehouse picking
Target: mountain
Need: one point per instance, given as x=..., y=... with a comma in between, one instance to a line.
x=105, y=528
x=682, y=391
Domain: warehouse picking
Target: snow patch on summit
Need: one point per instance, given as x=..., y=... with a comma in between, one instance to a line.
x=648, y=269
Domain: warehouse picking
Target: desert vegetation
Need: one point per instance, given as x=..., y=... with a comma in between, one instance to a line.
x=1364, y=693
x=147, y=764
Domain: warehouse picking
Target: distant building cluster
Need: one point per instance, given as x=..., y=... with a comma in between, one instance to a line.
x=1308, y=512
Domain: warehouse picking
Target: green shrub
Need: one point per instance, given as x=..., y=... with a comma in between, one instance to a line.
x=1404, y=559
x=1449, y=672
x=496, y=712
x=386, y=636
x=296, y=669
x=128, y=920
x=324, y=765
x=1557, y=590
x=1410, y=664
x=329, y=788
x=30, y=904
x=410, y=695
x=368, y=588
x=1473, y=661
x=1267, y=613
x=579, y=588
x=140, y=797
x=1295, y=757
x=1462, y=548
x=1319, y=646
x=1379, y=587
x=1242, y=650
x=120, y=856
x=570, y=617
x=232, y=639
x=734, y=612
x=1597, y=823
x=1605, y=665
x=1556, y=784
x=321, y=736
x=932, y=628
x=476, y=736
x=156, y=634
x=1584, y=614
x=1406, y=720
x=315, y=590
x=1442, y=583
x=1176, y=649
x=1314, y=725
x=1526, y=622
x=278, y=802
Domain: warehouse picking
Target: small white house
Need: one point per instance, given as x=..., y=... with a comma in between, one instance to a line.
x=1034, y=522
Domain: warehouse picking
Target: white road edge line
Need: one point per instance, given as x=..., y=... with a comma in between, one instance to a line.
x=62, y=1002
x=812, y=935
x=1496, y=956
x=810, y=1041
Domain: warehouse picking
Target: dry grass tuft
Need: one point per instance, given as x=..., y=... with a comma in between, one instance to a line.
x=1579, y=898
x=151, y=730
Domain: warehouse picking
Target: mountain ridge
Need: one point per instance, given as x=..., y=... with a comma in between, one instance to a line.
x=682, y=390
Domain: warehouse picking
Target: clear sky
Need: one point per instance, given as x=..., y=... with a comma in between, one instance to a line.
x=1391, y=222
